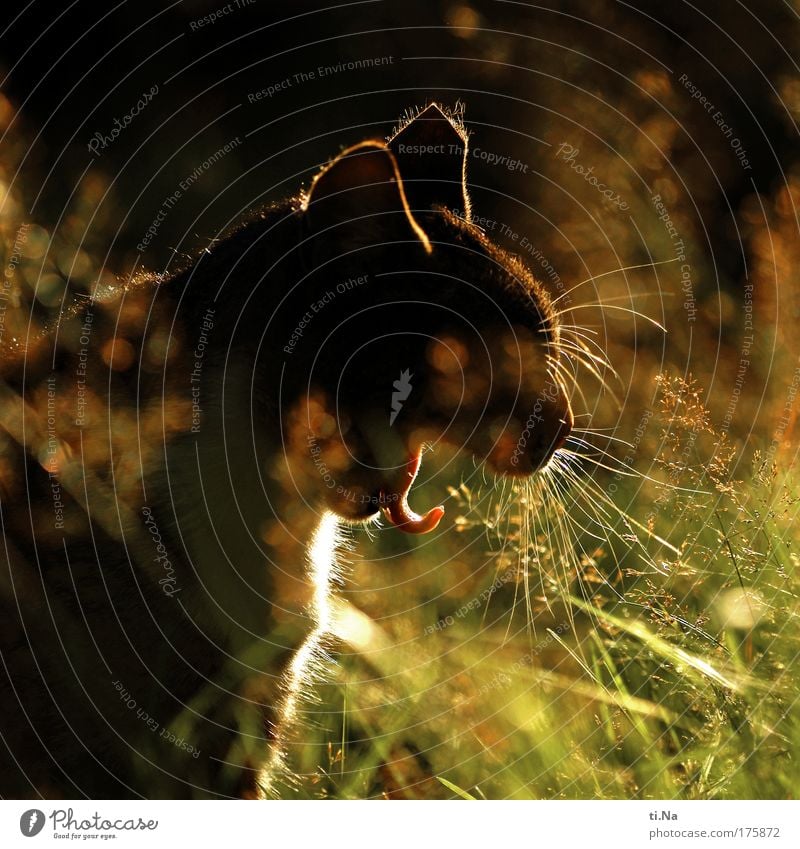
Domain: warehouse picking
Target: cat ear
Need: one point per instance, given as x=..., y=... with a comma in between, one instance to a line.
x=431, y=152
x=361, y=196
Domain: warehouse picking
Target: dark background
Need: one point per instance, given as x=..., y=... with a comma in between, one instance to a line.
x=526, y=73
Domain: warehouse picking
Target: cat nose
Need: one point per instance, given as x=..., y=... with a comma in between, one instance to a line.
x=549, y=438
x=522, y=450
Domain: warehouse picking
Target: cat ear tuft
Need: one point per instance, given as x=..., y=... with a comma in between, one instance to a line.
x=361, y=195
x=431, y=152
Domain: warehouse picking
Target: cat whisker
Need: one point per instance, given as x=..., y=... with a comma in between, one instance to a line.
x=614, y=271
x=628, y=310
x=588, y=557
x=585, y=443
x=583, y=342
x=629, y=297
x=599, y=432
x=577, y=356
x=565, y=379
x=576, y=555
x=590, y=490
x=625, y=471
x=576, y=341
x=571, y=357
x=631, y=472
x=582, y=350
x=586, y=449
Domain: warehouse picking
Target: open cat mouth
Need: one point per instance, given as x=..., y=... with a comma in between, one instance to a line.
x=393, y=499
x=395, y=504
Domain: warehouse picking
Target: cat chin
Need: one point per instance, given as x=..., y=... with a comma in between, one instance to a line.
x=391, y=501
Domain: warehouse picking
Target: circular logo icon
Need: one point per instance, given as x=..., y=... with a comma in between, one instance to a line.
x=31, y=822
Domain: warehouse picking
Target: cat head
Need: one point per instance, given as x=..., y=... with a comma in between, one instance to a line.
x=419, y=329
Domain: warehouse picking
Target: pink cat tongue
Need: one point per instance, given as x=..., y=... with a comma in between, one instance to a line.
x=398, y=512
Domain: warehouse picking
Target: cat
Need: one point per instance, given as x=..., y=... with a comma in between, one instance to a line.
x=172, y=602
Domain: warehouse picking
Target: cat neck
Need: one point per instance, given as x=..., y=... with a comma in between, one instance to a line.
x=243, y=527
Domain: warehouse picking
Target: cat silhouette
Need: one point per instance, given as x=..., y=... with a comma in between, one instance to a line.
x=171, y=556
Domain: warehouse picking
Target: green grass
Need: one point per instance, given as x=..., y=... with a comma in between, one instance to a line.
x=612, y=679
